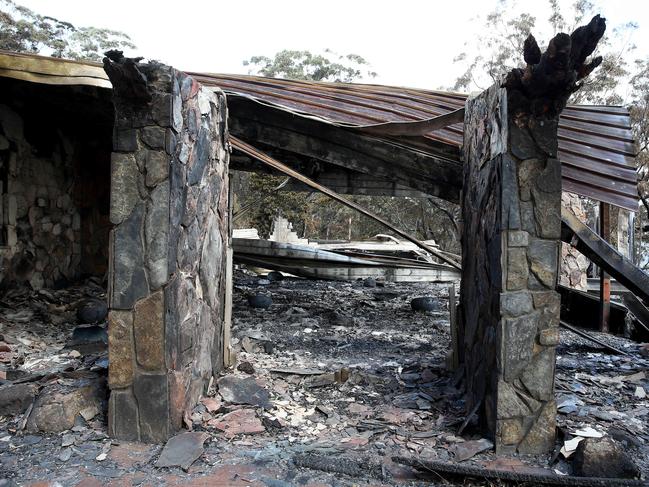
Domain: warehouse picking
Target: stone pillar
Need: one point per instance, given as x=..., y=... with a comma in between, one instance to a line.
x=169, y=194
x=510, y=246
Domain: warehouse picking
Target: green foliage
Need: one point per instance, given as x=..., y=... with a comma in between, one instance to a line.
x=304, y=65
x=23, y=30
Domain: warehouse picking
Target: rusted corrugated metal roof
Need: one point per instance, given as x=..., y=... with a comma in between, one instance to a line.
x=595, y=143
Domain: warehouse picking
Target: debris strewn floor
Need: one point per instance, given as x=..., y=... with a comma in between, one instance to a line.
x=331, y=381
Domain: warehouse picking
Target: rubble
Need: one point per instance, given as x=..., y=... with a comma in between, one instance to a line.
x=182, y=450
x=340, y=371
x=603, y=457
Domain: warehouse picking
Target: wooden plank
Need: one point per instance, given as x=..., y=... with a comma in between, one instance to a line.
x=574, y=232
x=252, y=152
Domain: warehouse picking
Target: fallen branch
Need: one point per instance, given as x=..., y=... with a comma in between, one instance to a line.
x=354, y=467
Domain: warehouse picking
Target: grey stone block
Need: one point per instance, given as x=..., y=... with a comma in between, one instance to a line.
x=151, y=392
x=129, y=280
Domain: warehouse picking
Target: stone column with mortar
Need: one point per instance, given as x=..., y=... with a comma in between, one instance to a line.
x=169, y=193
x=511, y=207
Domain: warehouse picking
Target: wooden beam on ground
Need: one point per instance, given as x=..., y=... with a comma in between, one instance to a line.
x=266, y=159
x=574, y=232
x=604, y=278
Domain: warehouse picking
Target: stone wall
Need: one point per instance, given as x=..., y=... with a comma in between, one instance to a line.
x=574, y=265
x=46, y=238
x=509, y=311
x=169, y=206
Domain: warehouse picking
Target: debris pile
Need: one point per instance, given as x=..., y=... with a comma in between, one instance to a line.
x=335, y=383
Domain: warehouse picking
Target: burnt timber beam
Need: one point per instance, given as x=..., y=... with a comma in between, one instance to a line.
x=604, y=278
x=336, y=178
x=428, y=172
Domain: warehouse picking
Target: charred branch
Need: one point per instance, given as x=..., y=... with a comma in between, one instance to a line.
x=542, y=88
x=129, y=83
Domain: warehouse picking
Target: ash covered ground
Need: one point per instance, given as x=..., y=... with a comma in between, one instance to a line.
x=330, y=382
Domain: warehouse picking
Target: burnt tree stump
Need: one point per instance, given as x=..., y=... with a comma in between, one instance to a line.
x=542, y=88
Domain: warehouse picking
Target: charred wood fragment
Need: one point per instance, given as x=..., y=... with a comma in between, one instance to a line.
x=129, y=83
x=541, y=89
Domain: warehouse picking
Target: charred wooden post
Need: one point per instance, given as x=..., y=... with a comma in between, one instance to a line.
x=169, y=208
x=604, y=278
x=511, y=205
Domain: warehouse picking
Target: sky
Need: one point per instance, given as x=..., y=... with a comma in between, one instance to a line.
x=408, y=43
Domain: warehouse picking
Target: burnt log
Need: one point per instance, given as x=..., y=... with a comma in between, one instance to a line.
x=542, y=89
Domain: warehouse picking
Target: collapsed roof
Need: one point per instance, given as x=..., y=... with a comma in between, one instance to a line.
x=313, y=122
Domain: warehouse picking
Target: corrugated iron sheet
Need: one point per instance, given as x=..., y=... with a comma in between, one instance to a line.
x=595, y=143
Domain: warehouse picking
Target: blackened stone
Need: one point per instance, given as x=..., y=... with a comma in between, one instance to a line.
x=151, y=392
x=192, y=123
x=161, y=110
x=129, y=279
x=538, y=376
x=510, y=404
x=154, y=137
x=514, y=304
x=156, y=231
x=170, y=142
x=16, y=398
x=603, y=457
x=511, y=214
x=540, y=436
x=123, y=420
x=182, y=450
x=259, y=301
x=519, y=337
x=543, y=256
x=188, y=88
x=92, y=311
x=544, y=133
x=84, y=335
x=517, y=269
x=211, y=259
x=157, y=167
x=369, y=282
x=275, y=276
x=517, y=238
x=521, y=143
x=201, y=155
x=425, y=303
x=124, y=184
x=125, y=140
x=246, y=367
x=547, y=214
x=243, y=391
